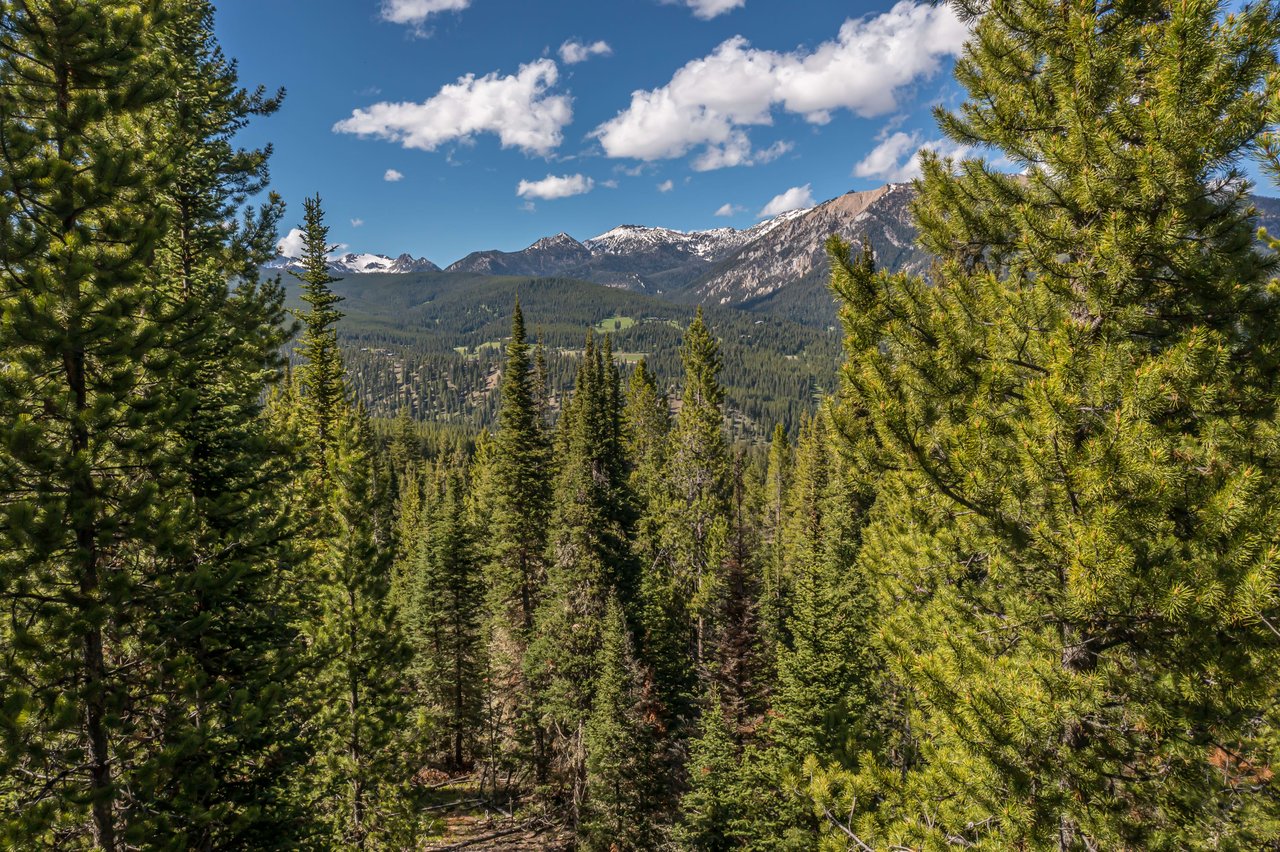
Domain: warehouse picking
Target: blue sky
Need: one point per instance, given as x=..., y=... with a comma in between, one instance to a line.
x=689, y=114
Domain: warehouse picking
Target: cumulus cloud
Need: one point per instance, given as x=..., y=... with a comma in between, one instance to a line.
x=518, y=108
x=415, y=12
x=730, y=210
x=897, y=158
x=552, y=186
x=738, y=152
x=291, y=245
x=357, y=223
x=708, y=9
x=574, y=51
x=795, y=198
x=392, y=176
x=666, y=186
x=711, y=101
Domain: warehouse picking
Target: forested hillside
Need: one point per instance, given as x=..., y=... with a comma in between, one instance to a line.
x=1007, y=580
x=432, y=344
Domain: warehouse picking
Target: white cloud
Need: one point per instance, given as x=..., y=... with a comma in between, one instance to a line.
x=710, y=102
x=392, y=176
x=730, y=210
x=795, y=198
x=897, y=158
x=291, y=245
x=666, y=186
x=574, y=51
x=552, y=186
x=518, y=108
x=738, y=152
x=708, y=9
x=415, y=12
x=357, y=223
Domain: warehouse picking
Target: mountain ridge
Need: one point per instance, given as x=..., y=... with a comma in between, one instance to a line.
x=777, y=266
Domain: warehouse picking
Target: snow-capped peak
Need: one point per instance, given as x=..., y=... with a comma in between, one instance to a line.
x=360, y=263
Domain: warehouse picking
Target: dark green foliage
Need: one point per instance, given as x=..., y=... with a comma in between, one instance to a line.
x=710, y=810
x=444, y=620
x=824, y=690
x=358, y=690
x=694, y=514
x=140, y=643
x=517, y=511
x=622, y=809
x=321, y=380
x=586, y=554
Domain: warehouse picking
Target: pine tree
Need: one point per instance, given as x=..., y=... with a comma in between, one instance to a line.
x=518, y=516
x=360, y=700
x=622, y=809
x=1074, y=418
x=587, y=547
x=320, y=376
x=684, y=591
x=225, y=619
x=775, y=594
x=89, y=480
x=444, y=620
x=824, y=693
x=710, y=809
x=646, y=425
x=741, y=667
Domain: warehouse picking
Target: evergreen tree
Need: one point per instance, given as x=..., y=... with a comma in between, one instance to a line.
x=361, y=706
x=685, y=589
x=320, y=376
x=741, y=669
x=518, y=516
x=1075, y=422
x=824, y=692
x=89, y=478
x=227, y=606
x=775, y=593
x=587, y=547
x=622, y=809
x=444, y=620
x=646, y=425
x=709, y=810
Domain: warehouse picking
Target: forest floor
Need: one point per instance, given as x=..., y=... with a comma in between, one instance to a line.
x=467, y=821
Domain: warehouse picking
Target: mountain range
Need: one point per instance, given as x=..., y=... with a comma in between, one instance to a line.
x=778, y=266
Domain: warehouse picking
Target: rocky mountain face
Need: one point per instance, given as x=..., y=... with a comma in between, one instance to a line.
x=778, y=266
x=780, y=263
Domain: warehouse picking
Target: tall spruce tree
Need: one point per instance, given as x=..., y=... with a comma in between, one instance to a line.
x=823, y=698
x=356, y=694
x=444, y=620
x=360, y=699
x=517, y=509
x=694, y=518
x=1075, y=418
x=774, y=595
x=587, y=547
x=226, y=619
x=320, y=376
x=623, y=807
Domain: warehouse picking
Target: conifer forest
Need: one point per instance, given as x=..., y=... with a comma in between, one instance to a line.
x=996, y=568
